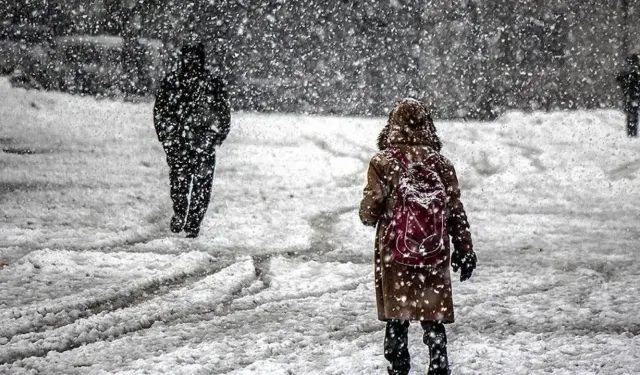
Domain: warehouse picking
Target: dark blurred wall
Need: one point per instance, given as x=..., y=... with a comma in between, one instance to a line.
x=467, y=58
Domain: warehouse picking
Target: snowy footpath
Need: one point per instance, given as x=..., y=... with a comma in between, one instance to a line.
x=280, y=280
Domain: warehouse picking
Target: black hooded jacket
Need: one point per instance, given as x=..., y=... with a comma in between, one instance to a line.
x=629, y=79
x=630, y=83
x=192, y=111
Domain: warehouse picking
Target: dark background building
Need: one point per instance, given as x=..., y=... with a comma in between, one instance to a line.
x=467, y=58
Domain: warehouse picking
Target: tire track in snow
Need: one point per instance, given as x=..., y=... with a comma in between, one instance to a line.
x=253, y=300
x=577, y=327
x=353, y=179
x=322, y=239
x=39, y=319
x=82, y=328
x=625, y=170
x=330, y=338
x=322, y=224
x=531, y=153
x=201, y=297
x=345, y=332
x=116, y=244
x=227, y=300
x=324, y=145
x=243, y=307
x=586, y=303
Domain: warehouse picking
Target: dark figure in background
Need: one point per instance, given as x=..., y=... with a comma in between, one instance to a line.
x=629, y=80
x=192, y=117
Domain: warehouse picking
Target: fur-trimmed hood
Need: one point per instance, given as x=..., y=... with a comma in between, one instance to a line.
x=409, y=123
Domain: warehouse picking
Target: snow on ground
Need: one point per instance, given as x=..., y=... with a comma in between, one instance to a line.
x=47, y=288
x=280, y=280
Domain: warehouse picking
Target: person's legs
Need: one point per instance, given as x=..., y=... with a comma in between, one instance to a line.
x=395, y=347
x=631, y=107
x=200, y=193
x=180, y=180
x=435, y=338
x=633, y=130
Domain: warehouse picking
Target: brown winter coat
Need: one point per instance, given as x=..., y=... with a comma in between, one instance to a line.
x=406, y=292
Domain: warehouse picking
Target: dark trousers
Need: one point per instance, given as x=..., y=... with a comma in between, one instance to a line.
x=191, y=176
x=396, y=348
x=631, y=107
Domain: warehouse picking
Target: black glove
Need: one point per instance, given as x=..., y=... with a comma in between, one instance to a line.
x=466, y=263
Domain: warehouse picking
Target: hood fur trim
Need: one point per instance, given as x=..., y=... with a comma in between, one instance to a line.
x=409, y=123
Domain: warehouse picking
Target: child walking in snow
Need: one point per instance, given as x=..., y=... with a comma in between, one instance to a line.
x=411, y=188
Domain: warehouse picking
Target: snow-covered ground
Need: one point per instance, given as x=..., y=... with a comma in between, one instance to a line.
x=280, y=281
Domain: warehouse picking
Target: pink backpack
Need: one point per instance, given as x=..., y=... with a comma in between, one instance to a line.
x=417, y=234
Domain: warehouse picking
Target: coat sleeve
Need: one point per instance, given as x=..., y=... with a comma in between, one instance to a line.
x=222, y=109
x=373, y=200
x=457, y=223
x=623, y=80
x=162, y=117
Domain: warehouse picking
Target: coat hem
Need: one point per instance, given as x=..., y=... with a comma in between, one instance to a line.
x=448, y=321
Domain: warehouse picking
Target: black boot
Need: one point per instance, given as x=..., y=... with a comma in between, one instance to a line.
x=177, y=224
x=192, y=233
x=397, y=372
x=395, y=347
x=435, y=338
